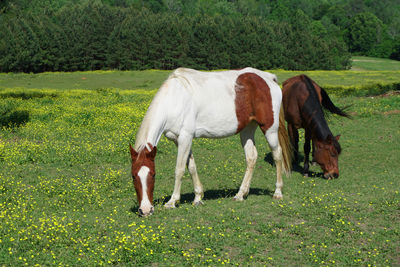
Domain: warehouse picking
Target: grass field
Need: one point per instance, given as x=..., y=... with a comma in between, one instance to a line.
x=364, y=74
x=379, y=64
x=66, y=196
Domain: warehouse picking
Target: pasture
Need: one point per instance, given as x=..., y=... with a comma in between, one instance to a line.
x=66, y=195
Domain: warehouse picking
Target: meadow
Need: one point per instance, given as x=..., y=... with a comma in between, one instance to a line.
x=67, y=198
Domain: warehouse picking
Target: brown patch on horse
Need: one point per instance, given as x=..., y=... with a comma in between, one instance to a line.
x=142, y=158
x=253, y=101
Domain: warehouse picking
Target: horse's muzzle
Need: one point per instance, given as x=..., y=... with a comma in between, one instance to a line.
x=332, y=175
x=144, y=214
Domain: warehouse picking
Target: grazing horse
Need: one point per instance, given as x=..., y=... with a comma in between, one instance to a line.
x=302, y=100
x=192, y=104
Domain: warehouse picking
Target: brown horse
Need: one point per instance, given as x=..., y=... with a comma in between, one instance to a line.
x=303, y=100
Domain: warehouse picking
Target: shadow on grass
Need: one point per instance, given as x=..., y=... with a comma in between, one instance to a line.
x=296, y=167
x=210, y=195
x=217, y=194
x=13, y=118
x=27, y=95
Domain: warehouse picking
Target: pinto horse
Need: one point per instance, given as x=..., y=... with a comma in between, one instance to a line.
x=303, y=100
x=192, y=104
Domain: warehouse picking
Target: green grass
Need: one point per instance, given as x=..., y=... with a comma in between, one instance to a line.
x=66, y=196
x=99, y=80
x=91, y=80
x=360, y=63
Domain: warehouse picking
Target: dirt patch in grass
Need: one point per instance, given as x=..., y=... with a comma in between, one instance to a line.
x=391, y=93
x=391, y=112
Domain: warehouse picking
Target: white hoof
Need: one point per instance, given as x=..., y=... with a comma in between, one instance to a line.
x=238, y=198
x=198, y=203
x=170, y=205
x=278, y=196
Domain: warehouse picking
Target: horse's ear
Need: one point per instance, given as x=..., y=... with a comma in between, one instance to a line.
x=337, y=137
x=152, y=154
x=330, y=139
x=134, y=154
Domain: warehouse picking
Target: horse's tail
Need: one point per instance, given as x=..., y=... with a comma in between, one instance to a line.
x=287, y=149
x=326, y=101
x=328, y=104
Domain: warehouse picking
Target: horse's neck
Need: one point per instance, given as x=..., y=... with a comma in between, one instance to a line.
x=320, y=129
x=315, y=118
x=152, y=127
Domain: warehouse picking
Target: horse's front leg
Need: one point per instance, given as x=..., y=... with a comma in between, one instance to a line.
x=184, y=143
x=294, y=139
x=198, y=187
x=313, y=161
x=191, y=165
x=307, y=149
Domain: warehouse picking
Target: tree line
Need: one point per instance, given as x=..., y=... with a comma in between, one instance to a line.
x=69, y=35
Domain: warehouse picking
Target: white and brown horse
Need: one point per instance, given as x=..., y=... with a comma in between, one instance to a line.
x=192, y=104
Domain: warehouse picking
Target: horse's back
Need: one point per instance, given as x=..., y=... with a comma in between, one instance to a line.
x=210, y=98
x=302, y=104
x=294, y=94
x=216, y=88
x=203, y=102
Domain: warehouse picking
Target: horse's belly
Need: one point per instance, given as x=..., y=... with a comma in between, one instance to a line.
x=214, y=132
x=216, y=125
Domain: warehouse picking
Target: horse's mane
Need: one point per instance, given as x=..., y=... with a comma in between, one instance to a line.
x=143, y=132
x=336, y=145
x=313, y=109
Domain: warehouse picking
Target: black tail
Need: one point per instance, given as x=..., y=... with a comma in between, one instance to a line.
x=326, y=101
x=328, y=104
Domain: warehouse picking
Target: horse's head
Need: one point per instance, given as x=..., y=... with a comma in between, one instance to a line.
x=326, y=155
x=143, y=173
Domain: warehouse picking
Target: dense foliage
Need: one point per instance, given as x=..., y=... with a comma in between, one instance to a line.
x=69, y=35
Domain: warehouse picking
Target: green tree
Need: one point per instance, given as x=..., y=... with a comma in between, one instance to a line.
x=87, y=27
x=19, y=44
x=364, y=32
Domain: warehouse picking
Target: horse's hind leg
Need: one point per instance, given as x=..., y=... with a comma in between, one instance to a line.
x=248, y=144
x=273, y=141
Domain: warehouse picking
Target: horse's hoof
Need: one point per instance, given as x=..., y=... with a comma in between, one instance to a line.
x=170, y=205
x=305, y=174
x=198, y=203
x=238, y=198
x=277, y=196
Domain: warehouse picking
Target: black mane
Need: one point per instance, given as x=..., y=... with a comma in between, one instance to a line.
x=313, y=109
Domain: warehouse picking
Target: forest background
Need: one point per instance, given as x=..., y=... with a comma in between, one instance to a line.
x=72, y=35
